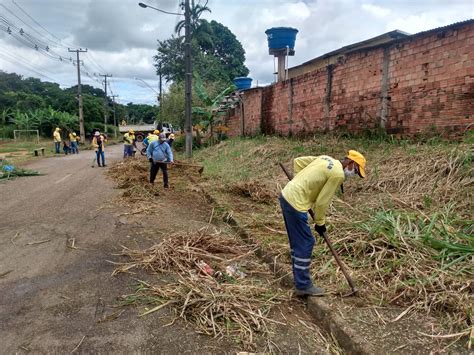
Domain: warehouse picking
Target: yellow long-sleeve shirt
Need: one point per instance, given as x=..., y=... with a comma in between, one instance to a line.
x=314, y=185
x=57, y=136
x=152, y=138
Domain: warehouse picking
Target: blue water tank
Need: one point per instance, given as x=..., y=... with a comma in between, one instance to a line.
x=279, y=38
x=243, y=83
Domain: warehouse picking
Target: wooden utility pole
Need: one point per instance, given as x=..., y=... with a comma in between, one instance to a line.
x=161, y=95
x=106, y=111
x=188, y=126
x=82, y=131
x=115, y=117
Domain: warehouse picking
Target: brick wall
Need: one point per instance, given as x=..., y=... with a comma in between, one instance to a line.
x=407, y=87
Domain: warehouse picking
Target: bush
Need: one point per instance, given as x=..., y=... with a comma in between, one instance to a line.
x=6, y=132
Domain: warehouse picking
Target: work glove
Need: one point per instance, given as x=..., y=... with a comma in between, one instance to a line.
x=150, y=160
x=320, y=229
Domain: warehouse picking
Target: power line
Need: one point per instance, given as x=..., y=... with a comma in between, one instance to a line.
x=79, y=92
x=22, y=10
x=105, y=100
x=13, y=61
x=23, y=61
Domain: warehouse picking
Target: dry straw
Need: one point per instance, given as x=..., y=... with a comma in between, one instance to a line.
x=217, y=304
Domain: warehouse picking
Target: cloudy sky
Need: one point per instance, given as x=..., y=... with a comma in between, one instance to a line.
x=121, y=36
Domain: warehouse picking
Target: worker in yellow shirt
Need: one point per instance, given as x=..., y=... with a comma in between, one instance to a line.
x=57, y=139
x=129, y=143
x=314, y=185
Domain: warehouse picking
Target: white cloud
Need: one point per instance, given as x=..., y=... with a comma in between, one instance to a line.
x=121, y=36
x=375, y=10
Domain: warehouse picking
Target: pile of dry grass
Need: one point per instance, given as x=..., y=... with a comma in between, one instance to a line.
x=407, y=233
x=426, y=178
x=132, y=176
x=216, y=303
x=255, y=190
x=129, y=172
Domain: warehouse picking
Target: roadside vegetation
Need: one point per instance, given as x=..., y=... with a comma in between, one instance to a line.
x=406, y=232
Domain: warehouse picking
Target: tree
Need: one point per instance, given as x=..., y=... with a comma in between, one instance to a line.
x=211, y=106
x=195, y=14
x=227, y=49
x=35, y=104
x=220, y=57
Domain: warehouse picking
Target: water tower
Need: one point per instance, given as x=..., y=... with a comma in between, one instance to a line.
x=281, y=44
x=243, y=83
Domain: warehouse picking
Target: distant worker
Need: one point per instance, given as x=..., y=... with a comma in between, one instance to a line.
x=160, y=155
x=145, y=141
x=123, y=123
x=78, y=140
x=154, y=136
x=98, y=143
x=314, y=185
x=57, y=139
x=72, y=138
x=151, y=137
x=171, y=139
x=129, y=143
x=66, y=146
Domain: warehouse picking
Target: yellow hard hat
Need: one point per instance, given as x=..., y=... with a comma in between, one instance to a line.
x=131, y=131
x=355, y=156
x=156, y=131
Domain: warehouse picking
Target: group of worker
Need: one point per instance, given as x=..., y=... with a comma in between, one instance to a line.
x=158, y=152
x=70, y=144
x=316, y=180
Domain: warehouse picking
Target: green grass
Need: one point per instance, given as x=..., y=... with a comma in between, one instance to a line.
x=405, y=230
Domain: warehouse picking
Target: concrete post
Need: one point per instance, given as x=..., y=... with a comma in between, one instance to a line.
x=384, y=89
x=281, y=67
x=327, y=98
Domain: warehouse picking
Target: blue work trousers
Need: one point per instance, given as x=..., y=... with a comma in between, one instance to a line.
x=74, y=148
x=100, y=154
x=57, y=145
x=127, y=150
x=301, y=243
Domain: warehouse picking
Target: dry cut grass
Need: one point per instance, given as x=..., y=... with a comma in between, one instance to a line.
x=216, y=303
x=406, y=231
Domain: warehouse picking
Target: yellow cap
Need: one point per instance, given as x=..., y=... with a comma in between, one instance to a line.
x=355, y=156
x=156, y=131
x=131, y=131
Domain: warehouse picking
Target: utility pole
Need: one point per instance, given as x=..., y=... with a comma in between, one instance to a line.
x=161, y=95
x=115, y=117
x=82, y=131
x=113, y=100
x=188, y=127
x=105, y=101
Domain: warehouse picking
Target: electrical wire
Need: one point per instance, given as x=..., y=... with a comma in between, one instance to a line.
x=8, y=59
x=36, y=22
x=51, y=48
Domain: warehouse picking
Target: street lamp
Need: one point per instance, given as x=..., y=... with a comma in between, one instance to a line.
x=188, y=73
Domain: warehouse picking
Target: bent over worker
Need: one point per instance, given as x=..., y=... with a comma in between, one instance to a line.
x=314, y=185
x=160, y=155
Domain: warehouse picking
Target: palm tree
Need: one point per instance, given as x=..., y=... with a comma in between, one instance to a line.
x=196, y=12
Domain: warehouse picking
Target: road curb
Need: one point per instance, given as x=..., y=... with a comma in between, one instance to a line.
x=320, y=310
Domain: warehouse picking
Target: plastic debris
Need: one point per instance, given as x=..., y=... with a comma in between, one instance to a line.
x=205, y=268
x=234, y=271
